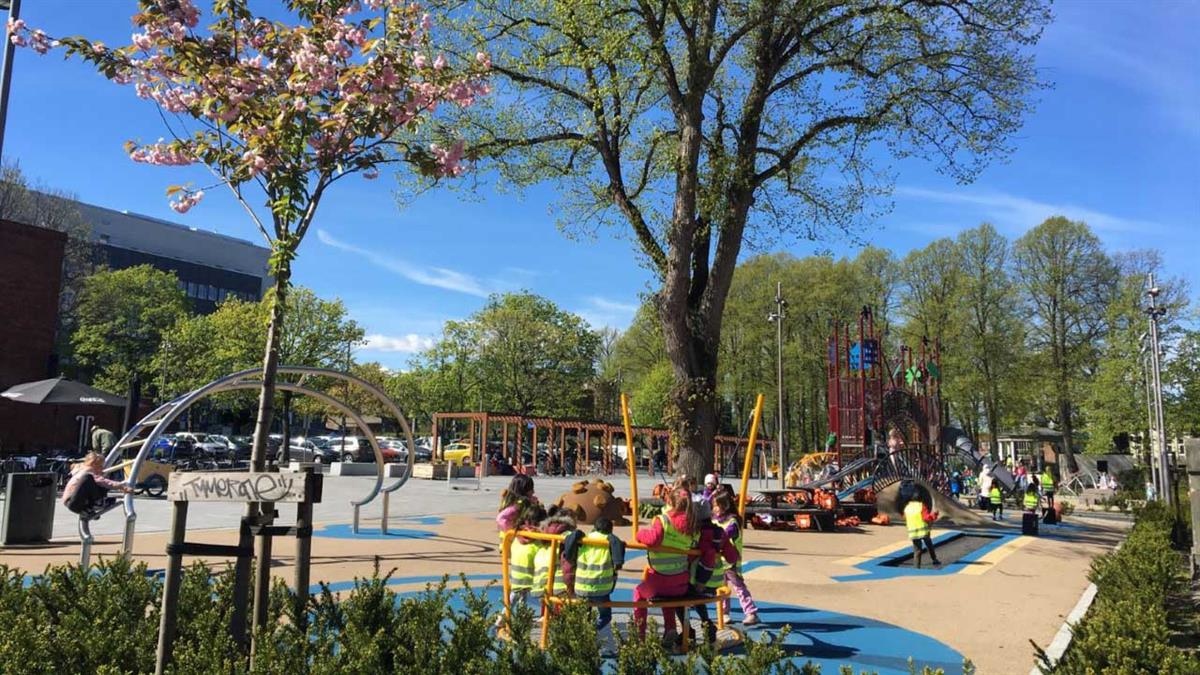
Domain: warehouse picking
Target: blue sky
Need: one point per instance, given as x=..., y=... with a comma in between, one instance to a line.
x=1115, y=142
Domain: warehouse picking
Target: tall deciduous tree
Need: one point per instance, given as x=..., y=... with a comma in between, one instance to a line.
x=1067, y=282
x=278, y=113
x=678, y=120
x=1114, y=400
x=521, y=353
x=121, y=318
x=990, y=336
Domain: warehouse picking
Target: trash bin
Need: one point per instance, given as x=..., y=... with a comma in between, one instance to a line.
x=29, y=509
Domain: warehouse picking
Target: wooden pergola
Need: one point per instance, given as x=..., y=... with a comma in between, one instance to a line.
x=595, y=439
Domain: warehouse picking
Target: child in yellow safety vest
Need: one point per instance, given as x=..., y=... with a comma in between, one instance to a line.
x=997, y=499
x=522, y=555
x=669, y=573
x=596, y=558
x=1031, y=500
x=557, y=521
x=917, y=518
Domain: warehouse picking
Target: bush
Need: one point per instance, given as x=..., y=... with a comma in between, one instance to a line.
x=105, y=621
x=1128, y=626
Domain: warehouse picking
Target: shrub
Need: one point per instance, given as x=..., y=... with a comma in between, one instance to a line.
x=1128, y=626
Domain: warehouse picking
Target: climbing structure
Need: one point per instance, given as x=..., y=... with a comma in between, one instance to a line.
x=869, y=393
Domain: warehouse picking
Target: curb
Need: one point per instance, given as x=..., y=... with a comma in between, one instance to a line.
x=1062, y=639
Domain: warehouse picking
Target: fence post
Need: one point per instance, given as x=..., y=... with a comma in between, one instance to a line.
x=1192, y=447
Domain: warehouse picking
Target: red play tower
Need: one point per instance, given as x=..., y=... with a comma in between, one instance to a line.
x=868, y=394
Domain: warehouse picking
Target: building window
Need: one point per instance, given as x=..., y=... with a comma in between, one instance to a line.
x=191, y=289
x=212, y=293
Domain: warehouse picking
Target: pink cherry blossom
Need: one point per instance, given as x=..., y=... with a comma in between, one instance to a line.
x=483, y=59
x=371, y=173
x=439, y=62
x=419, y=60
x=187, y=201
x=449, y=162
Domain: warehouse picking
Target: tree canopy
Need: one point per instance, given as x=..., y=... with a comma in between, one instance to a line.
x=694, y=125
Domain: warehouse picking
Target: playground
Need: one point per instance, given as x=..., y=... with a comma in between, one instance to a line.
x=841, y=593
x=828, y=554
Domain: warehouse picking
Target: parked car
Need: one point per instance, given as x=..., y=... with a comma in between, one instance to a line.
x=457, y=453
x=351, y=449
x=394, y=450
x=204, y=442
x=303, y=450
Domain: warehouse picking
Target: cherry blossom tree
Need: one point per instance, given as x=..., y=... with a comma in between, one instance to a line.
x=278, y=112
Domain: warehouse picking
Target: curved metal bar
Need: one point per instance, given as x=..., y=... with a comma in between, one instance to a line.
x=238, y=381
x=115, y=453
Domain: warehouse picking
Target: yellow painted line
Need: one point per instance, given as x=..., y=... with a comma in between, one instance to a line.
x=993, y=557
x=893, y=549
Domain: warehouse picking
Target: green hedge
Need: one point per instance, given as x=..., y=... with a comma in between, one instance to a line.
x=1127, y=629
x=106, y=621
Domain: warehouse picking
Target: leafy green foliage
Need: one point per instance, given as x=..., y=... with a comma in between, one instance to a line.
x=521, y=353
x=121, y=318
x=105, y=620
x=1128, y=628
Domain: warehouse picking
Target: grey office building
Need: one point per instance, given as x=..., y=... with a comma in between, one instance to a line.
x=210, y=266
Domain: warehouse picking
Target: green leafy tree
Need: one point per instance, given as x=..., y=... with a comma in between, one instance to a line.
x=991, y=336
x=1067, y=282
x=688, y=123
x=121, y=318
x=1115, y=396
x=650, y=404
x=1183, y=381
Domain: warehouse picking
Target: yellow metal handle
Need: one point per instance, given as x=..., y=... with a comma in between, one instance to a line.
x=749, y=455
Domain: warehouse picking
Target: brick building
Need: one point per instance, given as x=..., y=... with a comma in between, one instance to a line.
x=30, y=278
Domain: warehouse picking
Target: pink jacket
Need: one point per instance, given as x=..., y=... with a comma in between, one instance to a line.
x=652, y=535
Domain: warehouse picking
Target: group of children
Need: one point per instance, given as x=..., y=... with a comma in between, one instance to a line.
x=705, y=522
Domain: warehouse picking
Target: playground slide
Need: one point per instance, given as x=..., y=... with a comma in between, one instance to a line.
x=956, y=438
x=851, y=469
x=848, y=493
x=952, y=512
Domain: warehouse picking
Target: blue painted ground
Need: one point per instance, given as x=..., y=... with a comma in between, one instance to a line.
x=829, y=639
x=345, y=531
x=875, y=568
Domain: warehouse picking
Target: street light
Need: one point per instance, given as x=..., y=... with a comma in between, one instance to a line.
x=14, y=13
x=777, y=318
x=1155, y=312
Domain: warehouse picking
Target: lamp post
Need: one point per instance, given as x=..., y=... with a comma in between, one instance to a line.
x=1154, y=312
x=14, y=13
x=1148, y=453
x=777, y=318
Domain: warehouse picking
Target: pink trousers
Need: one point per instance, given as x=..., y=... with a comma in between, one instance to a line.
x=658, y=586
x=735, y=581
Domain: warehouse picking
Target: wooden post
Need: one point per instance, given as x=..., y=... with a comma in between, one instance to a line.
x=504, y=443
x=241, y=588
x=262, y=579
x=304, y=512
x=170, y=601
x=562, y=450
x=433, y=434
x=607, y=451
x=533, y=457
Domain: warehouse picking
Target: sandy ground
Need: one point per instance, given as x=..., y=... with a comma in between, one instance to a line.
x=987, y=609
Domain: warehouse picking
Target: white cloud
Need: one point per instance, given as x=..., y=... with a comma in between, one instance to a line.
x=407, y=344
x=601, y=312
x=1018, y=214
x=438, y=277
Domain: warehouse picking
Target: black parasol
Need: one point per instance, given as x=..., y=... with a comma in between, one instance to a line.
x=61, y=391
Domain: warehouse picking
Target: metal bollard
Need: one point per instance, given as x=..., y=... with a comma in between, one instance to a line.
x=85, y=542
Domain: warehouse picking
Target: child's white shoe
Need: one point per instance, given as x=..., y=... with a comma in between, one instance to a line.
x=750, y=620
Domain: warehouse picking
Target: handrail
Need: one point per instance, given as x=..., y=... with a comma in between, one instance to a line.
x=631, y=462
